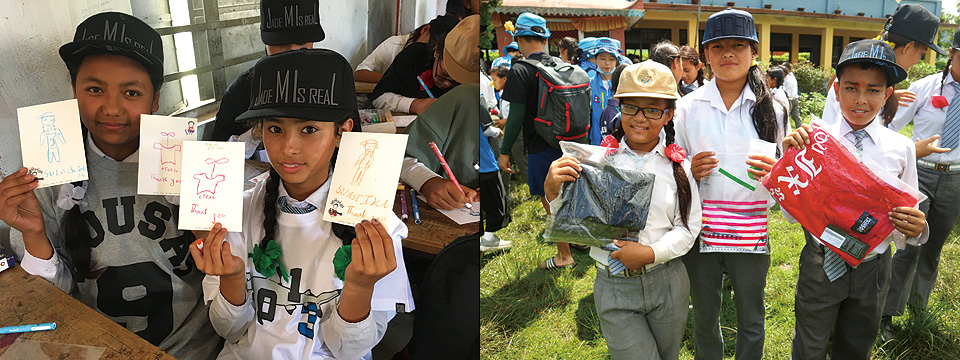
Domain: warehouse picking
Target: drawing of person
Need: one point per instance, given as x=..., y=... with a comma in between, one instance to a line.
x=363, y=163
x=49, y=135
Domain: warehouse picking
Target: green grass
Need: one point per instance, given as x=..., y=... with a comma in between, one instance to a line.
x=528, y=313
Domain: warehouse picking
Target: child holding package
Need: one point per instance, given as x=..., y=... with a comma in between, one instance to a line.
x=831, y=295
x=291, y=305
x=643, y=308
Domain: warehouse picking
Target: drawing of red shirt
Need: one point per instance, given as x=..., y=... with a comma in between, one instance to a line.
x=168, y=154
x=207, y=184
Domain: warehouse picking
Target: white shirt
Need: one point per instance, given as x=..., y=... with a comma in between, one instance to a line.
x=135, y=157
x=890, y=153
x=928, y=120
x=790, y=86
x=664, y=232
x=781, y=98
x=831, y=107
x=308, y=246
x=381, y=57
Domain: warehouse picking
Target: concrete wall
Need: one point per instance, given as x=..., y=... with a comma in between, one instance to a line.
x=872, y=8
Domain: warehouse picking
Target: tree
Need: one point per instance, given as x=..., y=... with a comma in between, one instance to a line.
x=488, y=35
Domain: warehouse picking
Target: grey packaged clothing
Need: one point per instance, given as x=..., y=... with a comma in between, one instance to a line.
x=451, y=122
x=143, y=276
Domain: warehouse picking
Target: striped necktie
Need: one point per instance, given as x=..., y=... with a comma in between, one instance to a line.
x=615, y=265
x=285, y=206
x=833, y=264
x=859, y=135
x=950, y=136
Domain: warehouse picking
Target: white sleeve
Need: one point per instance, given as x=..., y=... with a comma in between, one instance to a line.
x=393, y=102
x=680, y=239
x=381, y=57
x=905, y=114
x=831, y=108
x=228, y=320
x=250, y=145
x=414, y=173
x=49, y=270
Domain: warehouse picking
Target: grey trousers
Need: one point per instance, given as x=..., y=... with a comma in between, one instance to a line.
x=795, y=113
x=915, y=268
x=643, y=317
x=849, y=307
x=748, y=273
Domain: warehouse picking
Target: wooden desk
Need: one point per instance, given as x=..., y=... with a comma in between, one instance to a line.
x=363, y=87
x=28, y=299
x=435, y=231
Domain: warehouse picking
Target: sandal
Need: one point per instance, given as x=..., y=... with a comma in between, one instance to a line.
x=550, y=264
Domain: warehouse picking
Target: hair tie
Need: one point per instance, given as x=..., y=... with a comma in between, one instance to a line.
x=676, y=153
x=267, y=261
x=341, y=259
x=71, y=195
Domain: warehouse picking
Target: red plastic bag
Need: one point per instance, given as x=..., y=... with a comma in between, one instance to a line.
x=836, y=197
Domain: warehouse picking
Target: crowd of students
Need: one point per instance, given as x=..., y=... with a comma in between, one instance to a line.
x=699, y=232
x=270, y=290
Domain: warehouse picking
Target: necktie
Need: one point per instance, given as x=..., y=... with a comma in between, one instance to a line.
x=615, y=265
x=285, y=206
x=859, y=135
x=833, y=264
x=950, y=136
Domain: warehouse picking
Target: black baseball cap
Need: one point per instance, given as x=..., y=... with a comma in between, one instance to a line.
x=116, y=33
x=956, y=40
x=290, y=22
x=915, y=22
x=877, y=52
x=310, y=84
x=730, y=24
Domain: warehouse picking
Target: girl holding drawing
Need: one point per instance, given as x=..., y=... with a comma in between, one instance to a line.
x=304, y=302
x=732, y=126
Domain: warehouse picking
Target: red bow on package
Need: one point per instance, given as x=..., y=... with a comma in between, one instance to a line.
x=610, y=142
x=835, y=196
x=939, y=101
x=676, y=153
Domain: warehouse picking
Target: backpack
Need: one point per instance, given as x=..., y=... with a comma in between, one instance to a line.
x=563, y=109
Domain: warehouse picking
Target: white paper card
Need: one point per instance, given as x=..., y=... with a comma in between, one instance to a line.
x=161, y=153
x=461, y=215
x=51, y=142
x=211, y=186
x=364, y=182
x=404, y=120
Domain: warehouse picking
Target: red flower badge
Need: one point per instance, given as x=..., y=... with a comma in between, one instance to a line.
x=610, y=142
x=939, y=101
x=676, y=153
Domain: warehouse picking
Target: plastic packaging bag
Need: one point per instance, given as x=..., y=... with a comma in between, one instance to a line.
x=610, y=200
x=836, y=197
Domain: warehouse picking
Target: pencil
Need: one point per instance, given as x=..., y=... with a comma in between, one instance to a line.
x=425, y=88
x=446, y=167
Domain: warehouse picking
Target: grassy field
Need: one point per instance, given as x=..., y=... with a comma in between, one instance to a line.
x=529, y=313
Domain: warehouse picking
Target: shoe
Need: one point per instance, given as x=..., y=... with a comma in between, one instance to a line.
x=886, y=328
x=494, y=244
x=550, y=264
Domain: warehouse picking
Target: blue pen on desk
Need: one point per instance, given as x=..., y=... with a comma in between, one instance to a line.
x=27, y=328
x=430, y=94
x=416, y=209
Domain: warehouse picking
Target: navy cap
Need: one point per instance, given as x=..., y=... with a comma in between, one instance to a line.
x=529, y=24
x=730, y=24
x=285, y=22
x=116, y=33
x=310, y=84
x=916, y=23
x=877, y=52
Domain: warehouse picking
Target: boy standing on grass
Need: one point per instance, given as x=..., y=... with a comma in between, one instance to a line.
x=831, y=295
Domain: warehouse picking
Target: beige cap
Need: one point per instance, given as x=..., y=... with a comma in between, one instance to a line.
x=647, y=79
x=461, y=51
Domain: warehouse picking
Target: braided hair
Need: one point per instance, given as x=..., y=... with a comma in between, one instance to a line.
x=763, y=114
x=946, y=70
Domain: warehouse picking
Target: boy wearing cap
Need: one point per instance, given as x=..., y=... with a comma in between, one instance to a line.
x=279, y=33
x=415, y=79
x=119, y=252
x=831, y=295
x=509, y=51
x=522, y=92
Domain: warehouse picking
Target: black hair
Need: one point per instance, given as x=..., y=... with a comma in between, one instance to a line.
x=272, y=195
x=536, y=39
x=634, y=58
x=690, y=54
x=439, y=26
x=946, y=70
x=891, y=106
x=787, y=66
x=665, y=52
x=679, y=175
x=897, y=39
x=571, y=45
x=777, y=73
x=156, y=79
x=501, y=71
x=763, y=114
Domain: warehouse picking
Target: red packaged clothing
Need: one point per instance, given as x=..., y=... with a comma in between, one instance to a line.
x=831, y=193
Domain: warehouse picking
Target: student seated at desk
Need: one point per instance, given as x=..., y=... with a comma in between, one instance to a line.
x=116, y=251
x=452, y=122
x=279, y=38
x=400, y=90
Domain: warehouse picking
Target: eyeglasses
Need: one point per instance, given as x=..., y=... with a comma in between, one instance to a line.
x=649, y=113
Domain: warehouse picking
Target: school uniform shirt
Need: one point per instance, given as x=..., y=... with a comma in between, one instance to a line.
x=398, y=87
x=142, y=278
x=831, y=107
x=664, y=232
x=927, y=119
x=781, y=99
x=522, y=87
x=703, y=123
x=298, y=319
x=890, y=153
x=791, y=87
x=381, y=57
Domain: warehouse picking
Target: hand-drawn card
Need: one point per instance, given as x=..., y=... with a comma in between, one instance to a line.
x=211, y=185
x=461, y=215
x=161, y=153
x=51, y=142
x=364, y=182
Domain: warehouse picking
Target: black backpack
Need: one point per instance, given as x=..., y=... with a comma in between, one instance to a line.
x=563, y=106
x=446, y=323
